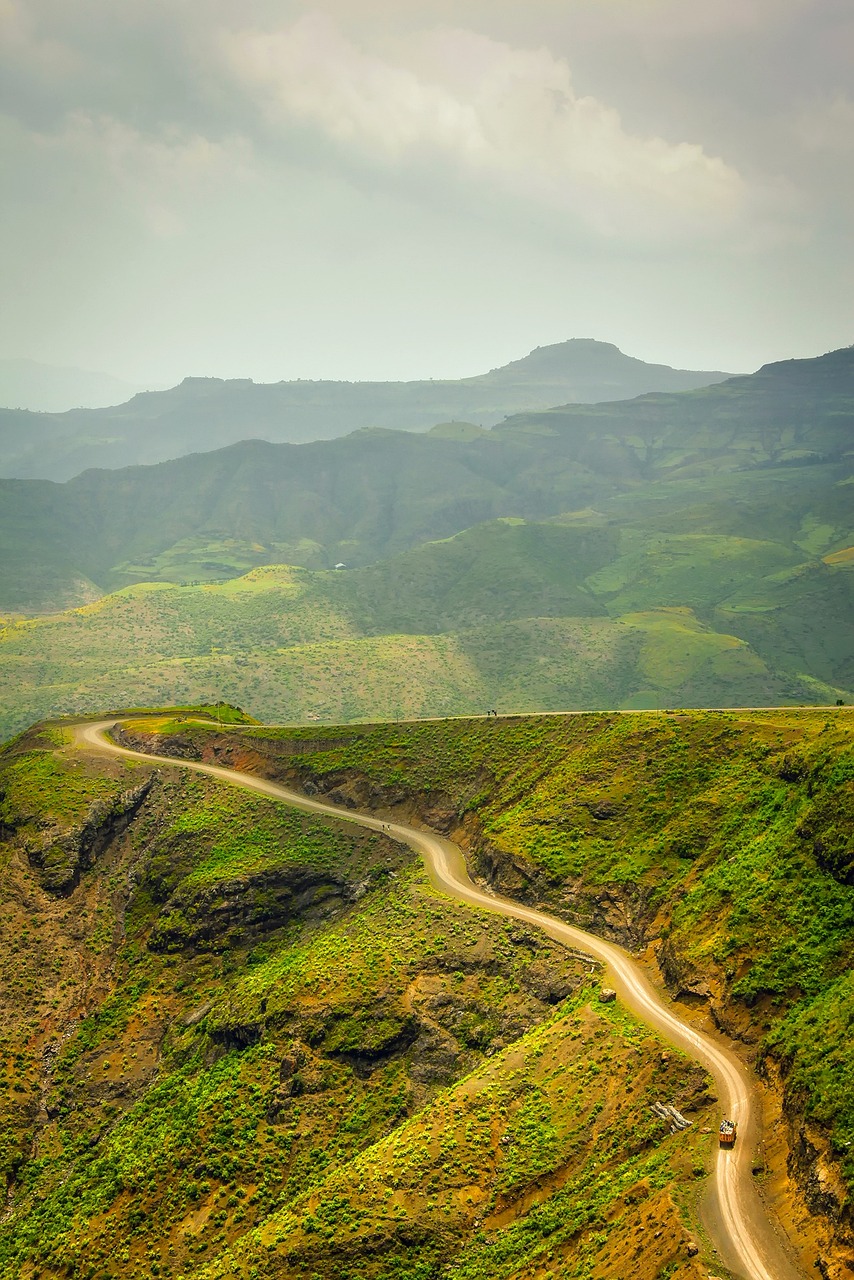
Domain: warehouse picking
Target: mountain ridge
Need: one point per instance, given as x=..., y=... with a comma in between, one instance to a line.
x=205, y=413
x=689, y=549
x=376, y=492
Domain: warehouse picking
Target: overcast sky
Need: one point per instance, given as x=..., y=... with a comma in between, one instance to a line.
x=261, y=188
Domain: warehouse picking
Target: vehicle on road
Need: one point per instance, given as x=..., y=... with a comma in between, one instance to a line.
x=728, y=1130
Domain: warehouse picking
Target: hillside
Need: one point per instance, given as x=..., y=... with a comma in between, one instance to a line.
x=694, y=551
x=511, y=615
x=791, y=412
x=716, y=845
x=241, y=1041
x=780, y=439
x=209, y=413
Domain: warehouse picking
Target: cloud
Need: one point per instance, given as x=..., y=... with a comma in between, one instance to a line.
x=451, y=118
x=676, y=21
x=486, y=112
x=827, y=126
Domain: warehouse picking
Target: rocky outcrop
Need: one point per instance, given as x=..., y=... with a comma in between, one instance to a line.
x=61, y=856
x=212, y=917
x=619, y=912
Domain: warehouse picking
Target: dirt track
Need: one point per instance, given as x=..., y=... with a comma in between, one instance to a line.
x=745, y=1237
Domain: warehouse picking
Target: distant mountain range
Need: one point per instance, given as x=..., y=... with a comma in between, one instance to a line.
x=692, y=548
x=208, y=413
x=375, y=493
x=48, y=388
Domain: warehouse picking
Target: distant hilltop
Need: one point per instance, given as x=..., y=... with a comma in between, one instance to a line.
x=590, y=358
x=201, y=414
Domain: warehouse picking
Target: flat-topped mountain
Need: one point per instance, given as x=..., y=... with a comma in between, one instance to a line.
x=785, y=409
x=209, y=413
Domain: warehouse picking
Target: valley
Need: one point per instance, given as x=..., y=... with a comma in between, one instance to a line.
x=688, y=549
x=243, y=1040
x=517, y=615
x=426, y=757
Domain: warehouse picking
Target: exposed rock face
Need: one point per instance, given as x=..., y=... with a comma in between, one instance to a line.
x=62, y=856
x=619, y=912
x=812, y=1166
x=211, y=917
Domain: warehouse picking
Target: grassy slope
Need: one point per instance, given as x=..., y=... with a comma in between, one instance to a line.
x=725, y=837
x=510, y=614
x=247, y=1042
x=734, y=502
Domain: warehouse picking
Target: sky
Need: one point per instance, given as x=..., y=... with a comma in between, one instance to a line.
x=359, y=190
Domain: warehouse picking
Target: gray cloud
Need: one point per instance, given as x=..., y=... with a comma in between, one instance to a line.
x=656, y=152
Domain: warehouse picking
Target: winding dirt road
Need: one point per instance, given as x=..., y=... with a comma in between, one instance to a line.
x=745, y=1237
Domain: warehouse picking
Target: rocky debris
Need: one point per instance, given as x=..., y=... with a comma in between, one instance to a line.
x=195, y=1016
x=301, y=1073
x=619, y=912
x=236, y=1035
x=671, y=1116
x=602, y=810
x=177, y=745
x=62, y=856
x=607, y=995
x=8, y=821
x=293, y=1057
x=683, y=979
x=823, y=1188
x=434, y=1057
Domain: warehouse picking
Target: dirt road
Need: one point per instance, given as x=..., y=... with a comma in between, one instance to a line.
x=746, y=1239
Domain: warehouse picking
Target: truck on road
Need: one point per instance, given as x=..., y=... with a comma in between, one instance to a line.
x=728, y=1130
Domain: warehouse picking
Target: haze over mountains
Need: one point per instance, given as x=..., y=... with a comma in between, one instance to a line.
x=208, y=413
x=47, y=388
x=689, y=548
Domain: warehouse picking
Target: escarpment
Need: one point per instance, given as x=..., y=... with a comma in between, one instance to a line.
x=61, y=855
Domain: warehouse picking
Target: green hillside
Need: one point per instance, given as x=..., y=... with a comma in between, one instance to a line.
x=512, y=615
x=297, y=1059
x=240, y=1041
x=767, y=457
x=685, y=550
x=716, y=844
x=210, y=413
